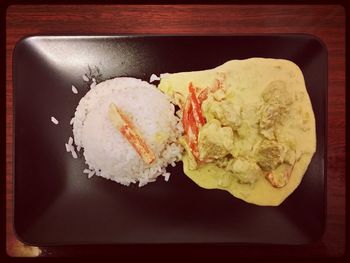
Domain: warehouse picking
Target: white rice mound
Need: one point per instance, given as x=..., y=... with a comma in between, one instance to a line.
x=106, y=151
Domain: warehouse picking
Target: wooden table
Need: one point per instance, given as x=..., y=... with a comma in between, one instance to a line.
x=325, y=22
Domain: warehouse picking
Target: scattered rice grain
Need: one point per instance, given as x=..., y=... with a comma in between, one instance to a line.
x=67, y=147
x=54, y=120
x=91, y=174
x=74, y=89
x=166, y=176
x=74, y=154
x=153, y=77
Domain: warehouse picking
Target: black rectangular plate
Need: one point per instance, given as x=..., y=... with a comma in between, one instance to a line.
x=55, y=204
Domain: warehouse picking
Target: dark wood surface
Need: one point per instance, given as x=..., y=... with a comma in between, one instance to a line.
x=325, y=22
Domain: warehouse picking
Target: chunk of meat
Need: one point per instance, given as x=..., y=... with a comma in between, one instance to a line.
x=276, y=92
x=270, y=154
x=214, y=141
x=244, y=170
x=268, y=115
x=225, y=112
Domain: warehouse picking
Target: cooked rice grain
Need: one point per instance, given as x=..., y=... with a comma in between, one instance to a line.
x=74, y=89
x=54, y=120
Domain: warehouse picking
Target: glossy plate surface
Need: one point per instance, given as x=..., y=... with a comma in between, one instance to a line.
x=55, y=204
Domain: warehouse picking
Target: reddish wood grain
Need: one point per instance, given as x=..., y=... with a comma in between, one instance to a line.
x=325, y=22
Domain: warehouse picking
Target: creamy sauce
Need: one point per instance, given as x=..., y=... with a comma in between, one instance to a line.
x=245, y=83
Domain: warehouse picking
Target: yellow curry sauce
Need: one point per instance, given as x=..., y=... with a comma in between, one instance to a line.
x=259, y=133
